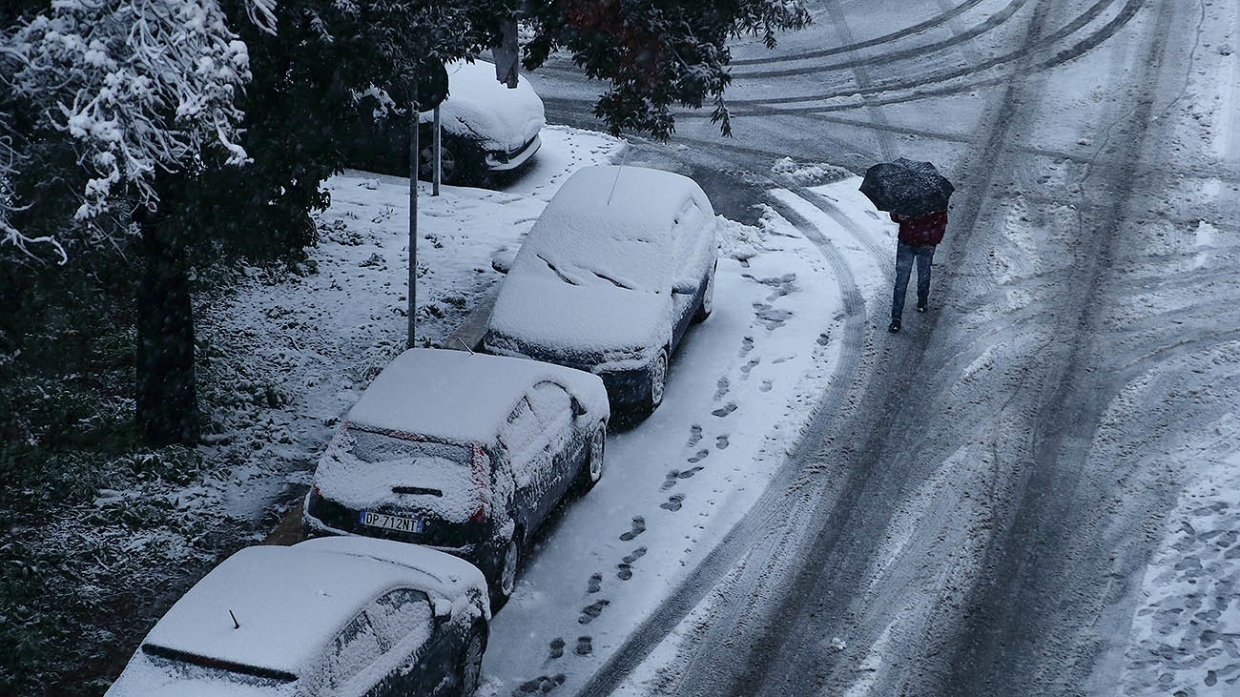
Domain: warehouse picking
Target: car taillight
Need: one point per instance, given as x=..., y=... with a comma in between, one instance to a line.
x=479, y=516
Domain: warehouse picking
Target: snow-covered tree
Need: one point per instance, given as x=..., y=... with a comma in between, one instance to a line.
x=138, y=92
x=140, y=88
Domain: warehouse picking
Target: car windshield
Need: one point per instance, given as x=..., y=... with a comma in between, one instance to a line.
x=369, y=445
x=186, y=661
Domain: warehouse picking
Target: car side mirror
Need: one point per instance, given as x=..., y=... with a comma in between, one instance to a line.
x=579, y=409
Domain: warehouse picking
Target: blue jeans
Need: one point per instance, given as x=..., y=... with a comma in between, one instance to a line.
x=905, y=254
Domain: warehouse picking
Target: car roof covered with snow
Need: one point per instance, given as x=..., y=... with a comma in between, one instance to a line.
x=610, y=226
x=454, y=396
x=289, y=601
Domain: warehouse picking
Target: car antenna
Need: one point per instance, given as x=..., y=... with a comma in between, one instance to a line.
x=615, y=181
x=461, y=341
x=236, y=624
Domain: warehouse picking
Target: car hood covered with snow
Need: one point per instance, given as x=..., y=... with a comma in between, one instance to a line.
x=597, y=324
x=480, y=108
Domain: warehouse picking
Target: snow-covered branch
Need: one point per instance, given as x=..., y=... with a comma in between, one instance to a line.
x=139, y=86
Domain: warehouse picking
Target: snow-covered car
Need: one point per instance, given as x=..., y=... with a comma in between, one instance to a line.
x=619, y=264
x=467, y=453
x=341, y=617
x=487, y=129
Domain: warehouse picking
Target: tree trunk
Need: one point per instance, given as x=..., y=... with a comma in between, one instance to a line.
x=167, y=397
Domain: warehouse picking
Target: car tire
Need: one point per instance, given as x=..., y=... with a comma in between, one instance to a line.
x=592, y=468
x=462, y=161
x=469, y=666
x=656, y=382
x=708, y=299
x=507, y=566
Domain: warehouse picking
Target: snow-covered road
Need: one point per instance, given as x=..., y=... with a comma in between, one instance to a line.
x=1031, y=491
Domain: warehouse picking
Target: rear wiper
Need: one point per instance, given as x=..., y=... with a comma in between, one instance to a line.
x=416, y=490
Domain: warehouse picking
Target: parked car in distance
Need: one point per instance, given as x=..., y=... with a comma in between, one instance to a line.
x=465, y=453
x=488, y=129
x=339, y=617
x=609, y=278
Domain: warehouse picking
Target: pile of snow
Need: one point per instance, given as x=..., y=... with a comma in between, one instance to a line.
x=808, y=174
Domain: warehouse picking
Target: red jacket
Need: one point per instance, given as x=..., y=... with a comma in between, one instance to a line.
x=923, y=229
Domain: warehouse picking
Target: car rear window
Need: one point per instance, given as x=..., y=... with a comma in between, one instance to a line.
x=186, y=660
x=376, y=446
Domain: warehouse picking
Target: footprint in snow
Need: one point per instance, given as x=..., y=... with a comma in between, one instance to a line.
x=639, y=526
x=541, y=684
x=676, y=475
x=699, y=456
x=674, y=503
x=625, y=567
x=773, y=318
x=721, y=442
x=722, y=389
x=725, y=410
x=824, y=339
x=746, y=346
x=695, y=435
x=557, y=649
x=753, y=363
x=585, y=646
x=595, y=584
x=591, y=612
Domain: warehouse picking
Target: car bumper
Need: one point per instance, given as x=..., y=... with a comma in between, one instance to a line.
x=625, y=387
x=504, y=162
x=313, y=527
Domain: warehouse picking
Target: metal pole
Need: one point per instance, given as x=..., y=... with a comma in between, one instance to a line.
x=438, y=157
x=413, y=206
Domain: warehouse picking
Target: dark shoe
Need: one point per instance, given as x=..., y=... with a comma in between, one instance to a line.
x=895, y=326
x=921, y=305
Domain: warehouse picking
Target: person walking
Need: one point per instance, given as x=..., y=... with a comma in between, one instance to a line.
x=918, y=237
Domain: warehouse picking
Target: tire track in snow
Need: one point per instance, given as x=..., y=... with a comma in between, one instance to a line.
x=991, y=23
x=839, y=22
x=1079, y=22
x=1005, y=641
x=919, y=28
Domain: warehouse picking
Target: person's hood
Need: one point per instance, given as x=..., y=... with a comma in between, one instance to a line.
x=580, y=324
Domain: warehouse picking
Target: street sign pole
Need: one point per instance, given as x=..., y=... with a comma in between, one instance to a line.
x=438, y=156
x=413, y=207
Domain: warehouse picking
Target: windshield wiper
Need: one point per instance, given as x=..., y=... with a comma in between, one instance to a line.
x=218, y=664
x=614, y=282
x=559, y=273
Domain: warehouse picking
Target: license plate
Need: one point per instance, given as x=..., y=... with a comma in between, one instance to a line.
x=391, y=522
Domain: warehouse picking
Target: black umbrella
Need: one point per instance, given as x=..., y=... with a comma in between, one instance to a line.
x=907, y=187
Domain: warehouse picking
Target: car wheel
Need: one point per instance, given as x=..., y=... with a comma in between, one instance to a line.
x=708, y=299
x=460, y=160
x=469, y=672
x=657, y=381
x=509, y=565
x=592, y=468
